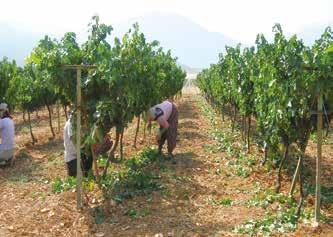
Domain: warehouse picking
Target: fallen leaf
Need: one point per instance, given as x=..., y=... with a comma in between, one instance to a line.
x=44, y=210
x=126, y=228
x=99, y=234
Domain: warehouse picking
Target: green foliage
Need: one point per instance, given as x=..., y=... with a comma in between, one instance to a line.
x=277, y=82
x=64, y=184
x=240, y=163
x=8, y=71
x=60, y=185
x=280, y=222
x=268, y=197
x=43, y=65
x=221, y=202
x=11, y=84
x=134, y=177
x=326, y=193
x=136, y=213
x=99, y=215
x=29, y=91
x=136, y=75
x=283, y=220
x=130, y=76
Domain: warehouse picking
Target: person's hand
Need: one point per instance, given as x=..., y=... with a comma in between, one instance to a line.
x=158, y=135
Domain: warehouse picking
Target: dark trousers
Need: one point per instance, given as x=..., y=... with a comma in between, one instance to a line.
x=71, y=168
x=86, y=165
x=171, y=134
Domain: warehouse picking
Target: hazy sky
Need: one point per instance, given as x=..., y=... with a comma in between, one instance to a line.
x=238, y=19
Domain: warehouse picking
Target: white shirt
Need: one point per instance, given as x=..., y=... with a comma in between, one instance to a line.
x=166, y=107
x=70, y=151
x=7, y=131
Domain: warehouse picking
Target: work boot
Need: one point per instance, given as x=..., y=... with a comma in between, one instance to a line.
x=172, y=159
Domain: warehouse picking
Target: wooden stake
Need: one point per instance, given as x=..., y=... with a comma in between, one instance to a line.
x=78, y=69
x=319, y=153
x=78, y=140
x=296, y=176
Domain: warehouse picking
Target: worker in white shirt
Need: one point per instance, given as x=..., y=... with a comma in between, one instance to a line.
x=7, y=131
x=70, y=150
x=166, y=116
x=99, y=147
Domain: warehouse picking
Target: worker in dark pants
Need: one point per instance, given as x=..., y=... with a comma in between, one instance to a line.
x=166, y=116
x=70, y=153
x=100, y=146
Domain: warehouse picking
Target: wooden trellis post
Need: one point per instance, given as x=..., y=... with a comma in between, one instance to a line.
x=319, y=153
x=78, y=69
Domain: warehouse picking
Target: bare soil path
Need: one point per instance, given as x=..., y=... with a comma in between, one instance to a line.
x=187, y=206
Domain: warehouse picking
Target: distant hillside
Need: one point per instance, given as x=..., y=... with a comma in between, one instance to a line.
x=191, y=43
x=189, y=69
x=194, y=46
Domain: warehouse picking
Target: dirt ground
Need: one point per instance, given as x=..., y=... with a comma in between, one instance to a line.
x=28, y=207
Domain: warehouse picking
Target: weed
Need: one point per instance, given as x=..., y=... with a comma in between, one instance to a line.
x=98, y=215
x=282, y=221
x=131, y=212
x=326, y=193
x=221, y=202
x=59, y=185
x=134, y=178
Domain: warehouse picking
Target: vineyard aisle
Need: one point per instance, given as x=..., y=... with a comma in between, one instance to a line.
x=189, y=204
x=200, y=197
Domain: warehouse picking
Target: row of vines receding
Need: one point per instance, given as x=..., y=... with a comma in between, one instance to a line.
x=131, y=74
x=276, y=84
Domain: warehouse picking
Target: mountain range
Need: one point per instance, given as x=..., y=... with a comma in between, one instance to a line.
x=193, y=45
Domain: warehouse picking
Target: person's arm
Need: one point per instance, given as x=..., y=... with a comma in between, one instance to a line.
x=163, y=123
x=164, y=126
x=69, y=130
x=70, y=134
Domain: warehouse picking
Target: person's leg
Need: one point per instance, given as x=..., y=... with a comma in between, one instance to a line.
x=172, y=133
x=171, y=140
x=6, y=156
x=86, y=163
x=3, y=161
x=71, y=168
x=161, y=142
